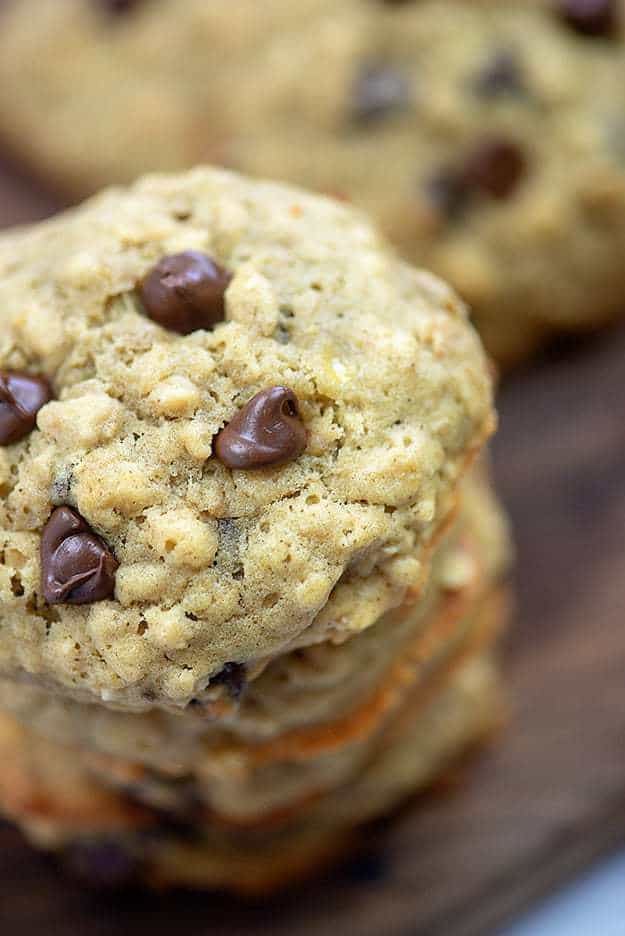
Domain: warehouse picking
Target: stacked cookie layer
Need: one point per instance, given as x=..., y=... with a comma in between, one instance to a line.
x=324, y=739
x=250, y=590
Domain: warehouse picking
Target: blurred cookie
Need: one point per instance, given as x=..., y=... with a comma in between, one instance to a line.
x=487, y=138
x=117, y=841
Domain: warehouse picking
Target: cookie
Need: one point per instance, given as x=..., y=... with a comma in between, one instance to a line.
x=313, y=719
x=119, y=841
x=486, y=138
x=251, y=592
x=263, y=785
x=259, y=423
x=295, y=704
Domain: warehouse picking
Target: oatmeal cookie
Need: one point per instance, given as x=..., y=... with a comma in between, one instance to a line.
x=232, y=423
x=487, y=138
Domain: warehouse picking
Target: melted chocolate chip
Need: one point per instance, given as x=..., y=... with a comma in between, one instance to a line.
x=501, y=75
x=266, y=431
x=495, y=167
x=590, y=17
x=185, y=292
x=232, y=676
x=21, y=398
x=378, y=92
x=77, y=567
x=447, y=191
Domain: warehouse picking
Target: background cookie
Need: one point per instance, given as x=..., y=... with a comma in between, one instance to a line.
x=486, y=138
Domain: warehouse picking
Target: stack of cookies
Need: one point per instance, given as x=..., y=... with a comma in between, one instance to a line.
x=250, y=577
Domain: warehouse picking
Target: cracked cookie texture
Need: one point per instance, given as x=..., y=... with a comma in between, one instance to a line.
x=218, y=566
x=487, y=138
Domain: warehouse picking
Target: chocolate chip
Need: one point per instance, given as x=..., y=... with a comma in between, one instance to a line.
x=378, y=92
x=185, y=292
x=495, y=167
x=590, y=17
x=21, y=398
x=232, y=676
x=447, y=191
x=77, y=567
x=118, y=7
x=501, y=75
x=266, y=431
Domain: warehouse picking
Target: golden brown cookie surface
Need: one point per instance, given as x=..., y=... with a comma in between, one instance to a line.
x=138, y=560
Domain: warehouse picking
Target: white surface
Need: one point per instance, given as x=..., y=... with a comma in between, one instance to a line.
x=594, y=906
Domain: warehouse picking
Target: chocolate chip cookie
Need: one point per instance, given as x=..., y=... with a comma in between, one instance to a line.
x=251, y=797
x=348, y=685
x=110, y=840
x=233, y=424
x=487, y=138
